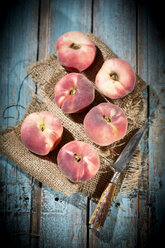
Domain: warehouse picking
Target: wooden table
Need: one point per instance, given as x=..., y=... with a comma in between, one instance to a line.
x=33, y=215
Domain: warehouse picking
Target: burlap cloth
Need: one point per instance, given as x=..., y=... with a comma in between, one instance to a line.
x=46, y=73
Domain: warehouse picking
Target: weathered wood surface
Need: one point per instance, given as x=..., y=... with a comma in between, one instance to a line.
x=118, y=31
x=18, y=48
x=62, y=219
x=31, y=214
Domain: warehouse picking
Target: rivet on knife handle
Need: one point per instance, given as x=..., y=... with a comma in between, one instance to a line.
x=99, y=215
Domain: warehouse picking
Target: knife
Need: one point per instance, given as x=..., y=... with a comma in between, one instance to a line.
x=99, y=215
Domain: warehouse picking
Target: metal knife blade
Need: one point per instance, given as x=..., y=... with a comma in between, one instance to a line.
x=128, y=151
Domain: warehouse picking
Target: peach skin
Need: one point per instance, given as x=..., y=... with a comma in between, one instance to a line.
x=41, y=132
x=75, y=51
x=116, y=78
x=74, y=93
x=78, y=161
x=105, y=124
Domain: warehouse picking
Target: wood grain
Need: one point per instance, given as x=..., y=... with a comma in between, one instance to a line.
x=31, y=214
x=156, y=78
x=151, y=60
x=142, y=70
x=118, y=31
x=17, y=48
x=62, y=219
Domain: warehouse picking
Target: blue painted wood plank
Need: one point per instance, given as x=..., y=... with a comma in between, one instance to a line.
x=142, y=70
x=62, y=220
x=151, y=61
x=18, y=48
x=115, y=23
x=68, y=16
x=156, y=78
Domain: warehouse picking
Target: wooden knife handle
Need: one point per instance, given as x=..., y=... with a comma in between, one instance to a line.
x=99, y=215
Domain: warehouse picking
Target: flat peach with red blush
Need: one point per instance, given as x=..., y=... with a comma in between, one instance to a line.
x=105, y=124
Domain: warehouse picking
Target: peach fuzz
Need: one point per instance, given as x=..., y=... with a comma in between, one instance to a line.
x=75, y=51
x=105, y=124
x=74, y=93
x=78, y=161
x=41, y=132
x=116, y=78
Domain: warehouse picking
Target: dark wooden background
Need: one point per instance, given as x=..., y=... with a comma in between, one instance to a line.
x=33, y=215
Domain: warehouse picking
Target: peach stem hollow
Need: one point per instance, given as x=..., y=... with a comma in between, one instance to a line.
x=77, y=157
x=75, y=46
x=107, y=119
x=114, y=76
x=42, y=127
x=72, y=91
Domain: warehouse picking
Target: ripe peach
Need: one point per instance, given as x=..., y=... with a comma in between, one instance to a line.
x=74, y=93
x=105, y=124
x=78, y=161
x=75, y=51
x=41, y=132
x=116, y=78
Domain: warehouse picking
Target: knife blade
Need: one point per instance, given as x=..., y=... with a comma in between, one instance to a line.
x=99, y=215
x=128, y=151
